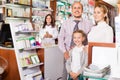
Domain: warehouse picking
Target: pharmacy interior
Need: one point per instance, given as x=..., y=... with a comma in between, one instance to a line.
x=25, y=55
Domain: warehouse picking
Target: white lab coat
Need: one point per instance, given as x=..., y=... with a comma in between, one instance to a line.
x=101, y=33
x=50, y=30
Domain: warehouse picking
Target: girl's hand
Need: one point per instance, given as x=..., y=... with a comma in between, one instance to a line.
x=66, y=55
x=73, y=75
x=86, y=48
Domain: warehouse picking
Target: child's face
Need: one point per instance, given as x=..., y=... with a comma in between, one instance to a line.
x=78, y=39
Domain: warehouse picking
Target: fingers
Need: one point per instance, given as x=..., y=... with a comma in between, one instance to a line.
x=66, y=55
x=47, y=35
x=73, y=75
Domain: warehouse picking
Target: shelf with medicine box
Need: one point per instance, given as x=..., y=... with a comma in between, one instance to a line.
x=19, y=1
x=34, y=65
x=30, y=61
x=19, y=14
x=16, y=9
x=23, y=32
x=25, y=40
x=64, y=10
x=40, y=8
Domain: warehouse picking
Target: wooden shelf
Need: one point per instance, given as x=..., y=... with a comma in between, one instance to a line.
x=36, y=47
x=43, y=9
x=23, y=32
x=14, y=14
x=33, y=65
x=22, y=4
x=16, y=5
x=34, y=16
x=35, y=74
x=17, y=17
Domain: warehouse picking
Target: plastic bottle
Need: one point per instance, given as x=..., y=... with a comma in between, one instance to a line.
x=32, y=41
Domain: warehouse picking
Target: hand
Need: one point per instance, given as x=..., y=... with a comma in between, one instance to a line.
x=86, y=48
x=45, y=36
x=66, y=55
x=48, y=35
x=73, y=75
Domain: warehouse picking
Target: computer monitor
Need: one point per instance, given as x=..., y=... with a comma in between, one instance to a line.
x=5, y=35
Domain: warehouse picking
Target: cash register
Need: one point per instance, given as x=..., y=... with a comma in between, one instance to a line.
x=5, y=35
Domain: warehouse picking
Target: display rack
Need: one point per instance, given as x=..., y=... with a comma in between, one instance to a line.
x=20, y=15
x=16, y=10
x=40, y=8
x=25, y=49
x=23, y=31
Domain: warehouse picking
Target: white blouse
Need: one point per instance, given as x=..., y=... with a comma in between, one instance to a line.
x=50, y=30
x=75, y=64
x=101, y=33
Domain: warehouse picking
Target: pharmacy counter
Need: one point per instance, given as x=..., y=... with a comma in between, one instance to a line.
x=52, y=58
x=11, y=73
x=53, y=62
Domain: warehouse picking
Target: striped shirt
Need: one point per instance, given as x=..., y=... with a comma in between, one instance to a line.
x=65, y=35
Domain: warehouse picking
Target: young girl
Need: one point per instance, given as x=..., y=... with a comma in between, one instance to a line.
x=49, y=32
x=78, y=57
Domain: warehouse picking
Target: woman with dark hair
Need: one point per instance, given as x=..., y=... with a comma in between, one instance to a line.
x=49, y=20
x=49, y=32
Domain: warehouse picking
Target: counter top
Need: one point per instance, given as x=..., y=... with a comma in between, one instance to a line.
x=29, y=48
x=6, y=48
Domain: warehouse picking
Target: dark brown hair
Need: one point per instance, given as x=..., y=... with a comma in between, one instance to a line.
x=52, y=21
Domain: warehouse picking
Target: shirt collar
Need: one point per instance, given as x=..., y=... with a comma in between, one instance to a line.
x=101, y=22
x=48, y=25
x=79, y=19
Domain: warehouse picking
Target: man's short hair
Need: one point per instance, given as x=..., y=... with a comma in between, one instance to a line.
x=77, y=2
